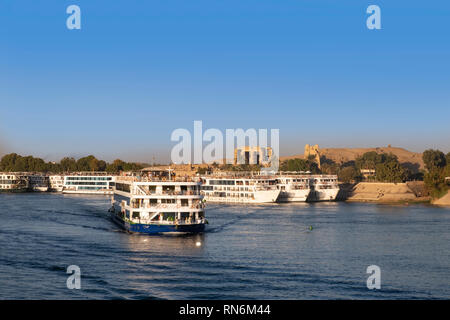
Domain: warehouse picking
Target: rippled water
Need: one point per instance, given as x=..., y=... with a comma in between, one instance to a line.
x=248, y=252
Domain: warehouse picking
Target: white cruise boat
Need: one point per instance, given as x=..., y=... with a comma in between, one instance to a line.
x=14, y=182
x=293, y=188
x=154, y=206
x=232, y=189
x=38, y=183
x=323, y=187
x=89, y=183
x=56, y=183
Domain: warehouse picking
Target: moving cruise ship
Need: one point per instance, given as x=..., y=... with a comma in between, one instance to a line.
x=323, y=188
x=154, y=206
x=293, y=188
x=13, y=182
x=89, y=183
x=246, y=189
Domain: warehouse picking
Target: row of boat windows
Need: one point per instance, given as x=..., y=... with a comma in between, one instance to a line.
x=230, y=195
x=9, y=181
x=222, y=182
x=169, y=215
x=8, y=177
x=123, y=187
x=6, y=187
x=184, y=202
x=238, y=182
x=87, y=183
x=89, y=178
x=210, y=188
x=89, y=188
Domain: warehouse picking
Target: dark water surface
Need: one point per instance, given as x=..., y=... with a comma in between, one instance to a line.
x=248, y=252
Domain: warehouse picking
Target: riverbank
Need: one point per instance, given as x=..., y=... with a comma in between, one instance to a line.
x=410, y=192
x=444, y=201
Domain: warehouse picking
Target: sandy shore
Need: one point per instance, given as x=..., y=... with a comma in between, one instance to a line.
x=444, y=201
x=387, y=192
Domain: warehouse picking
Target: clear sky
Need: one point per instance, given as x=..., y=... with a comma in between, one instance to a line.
x=137, y=70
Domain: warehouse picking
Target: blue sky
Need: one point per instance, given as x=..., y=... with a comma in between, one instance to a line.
x=137, y=70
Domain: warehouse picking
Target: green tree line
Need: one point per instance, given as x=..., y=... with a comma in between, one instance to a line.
x=437, y=165
x=16, y=163
x=386, y=165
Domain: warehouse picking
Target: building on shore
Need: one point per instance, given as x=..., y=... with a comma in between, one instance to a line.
x=312, y=151
x=253, y=155
x=368, y=174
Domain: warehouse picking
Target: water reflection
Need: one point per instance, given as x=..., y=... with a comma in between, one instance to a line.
x=189, y=244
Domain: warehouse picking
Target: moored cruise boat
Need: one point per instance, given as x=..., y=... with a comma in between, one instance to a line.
x=38, y=183
x=244, y=189
x=293, y=188
x=13, y=182
x=323, y=188
x=154, y=206
x=56, y=183
x=89, y=183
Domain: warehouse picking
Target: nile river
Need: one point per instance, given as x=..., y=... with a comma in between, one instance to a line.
x=248, y=252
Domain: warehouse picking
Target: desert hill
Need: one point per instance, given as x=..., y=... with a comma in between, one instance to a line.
x=341, y=155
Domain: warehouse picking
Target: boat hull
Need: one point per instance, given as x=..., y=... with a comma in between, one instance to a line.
x=293, y=196
x=323, y=195
x=158, y=228
x=13, y=190
x=105, y=192
x=267, y=196
x=40, y=189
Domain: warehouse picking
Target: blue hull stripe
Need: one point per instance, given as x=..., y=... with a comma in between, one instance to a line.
x=156, y=229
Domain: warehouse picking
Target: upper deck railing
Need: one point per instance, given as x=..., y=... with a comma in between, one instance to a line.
x=239, y=175
x=155, y=179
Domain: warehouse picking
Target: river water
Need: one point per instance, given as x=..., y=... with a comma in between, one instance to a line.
x=248, y=252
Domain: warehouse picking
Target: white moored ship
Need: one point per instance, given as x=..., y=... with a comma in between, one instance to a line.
x=38, y=183
x=89, y=183
x=255, y=189
x=323, y=187
x=293, y=188
x=13, y=182
x=56, y=183
x=153, y=206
